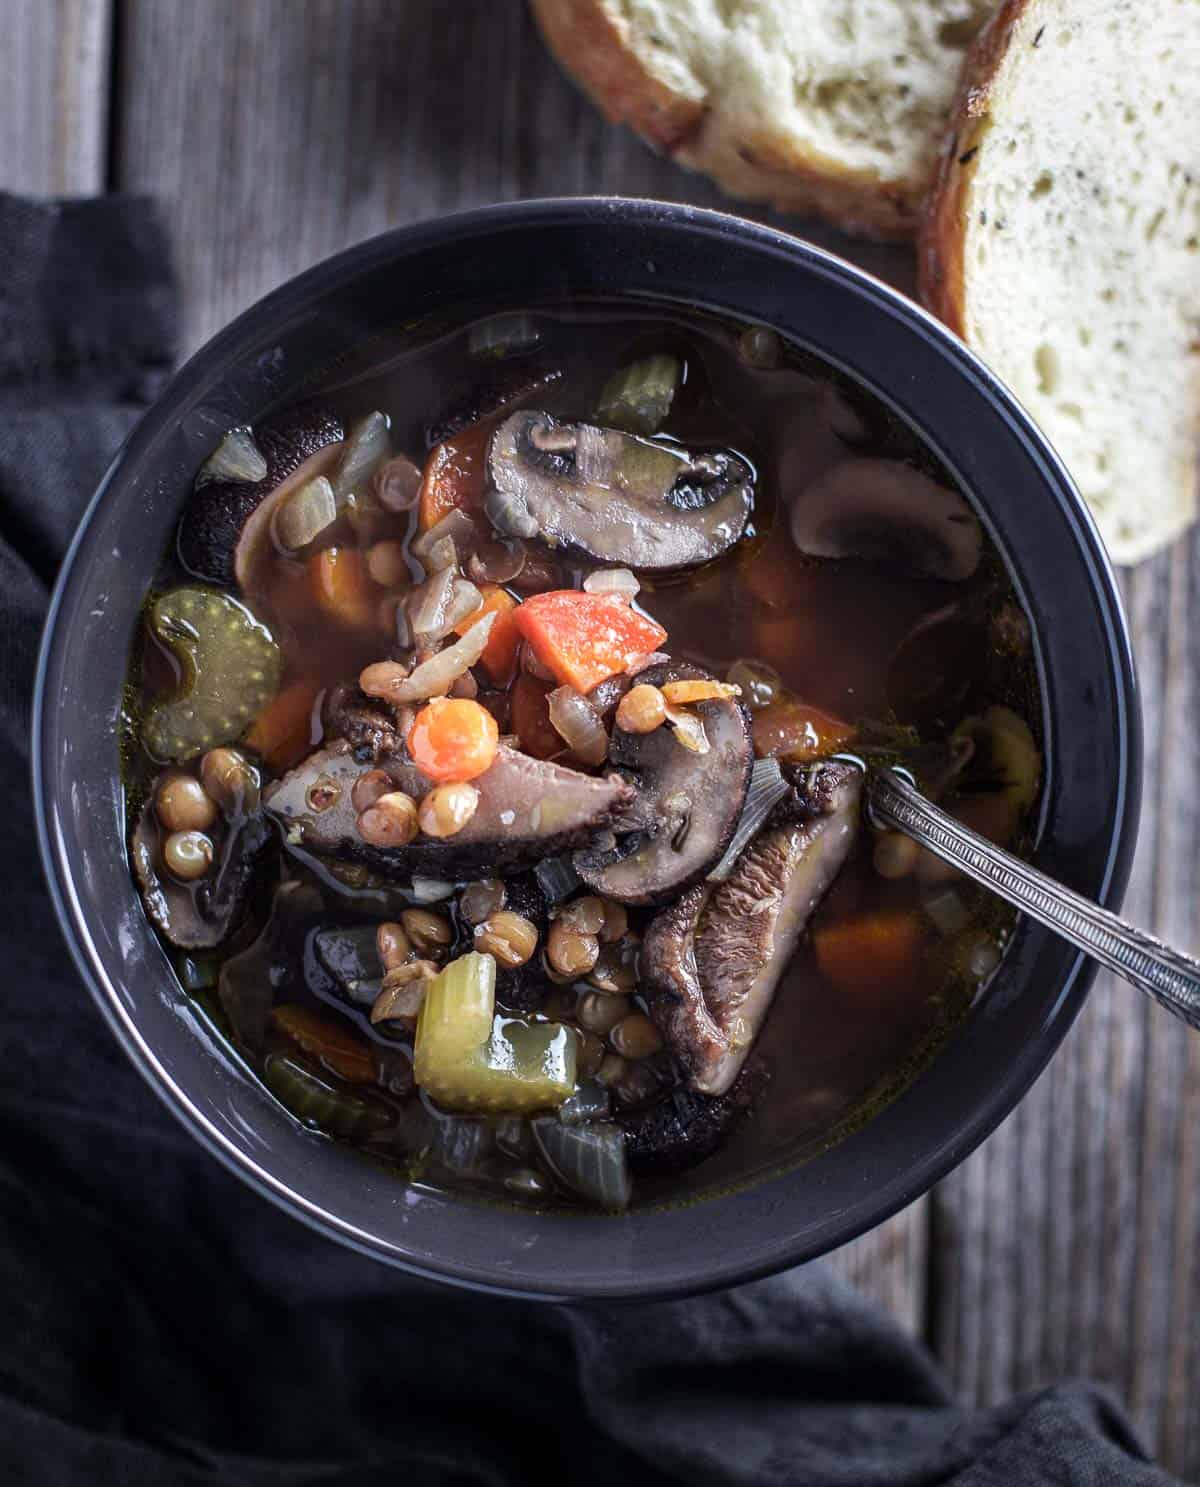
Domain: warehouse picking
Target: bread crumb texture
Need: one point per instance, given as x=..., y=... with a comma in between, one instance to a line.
x=1081, y=251
x=832, y=105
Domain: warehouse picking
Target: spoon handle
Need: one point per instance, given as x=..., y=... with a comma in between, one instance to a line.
x=1171, y=978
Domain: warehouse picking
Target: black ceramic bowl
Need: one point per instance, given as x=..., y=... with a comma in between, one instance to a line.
x=519, y=253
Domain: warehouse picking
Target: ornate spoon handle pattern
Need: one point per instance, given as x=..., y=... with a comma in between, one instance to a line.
x=1171, y=978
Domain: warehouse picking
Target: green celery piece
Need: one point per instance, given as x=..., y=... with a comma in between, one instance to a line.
x=638, y=398
x=468, y=1058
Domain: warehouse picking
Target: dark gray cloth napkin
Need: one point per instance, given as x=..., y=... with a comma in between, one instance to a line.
x=161, y=1324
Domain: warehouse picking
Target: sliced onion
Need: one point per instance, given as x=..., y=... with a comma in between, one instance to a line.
x=767, y=789
x=430, y=890
x=304, y=515
x=236, y=457
x=441, y=602
x=367, y=446
x=689, y=730
x=588, y=1159
x=557, y=878
x=498, y=562
x=577, y=723
x=455, y=528
x=612, y=581
x=591, y=1101
x=435, y=677
x=397, y=484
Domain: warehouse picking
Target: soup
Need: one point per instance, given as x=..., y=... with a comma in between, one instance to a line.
x=496, y=736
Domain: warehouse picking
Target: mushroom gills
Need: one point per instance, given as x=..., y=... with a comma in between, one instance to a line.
x=619, y=499
x=225, y=532
x=528, y=809
x=891, y=513
x=688, y=804
x=712, y=961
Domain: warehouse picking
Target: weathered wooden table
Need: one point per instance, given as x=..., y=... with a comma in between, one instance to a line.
x=274, y=132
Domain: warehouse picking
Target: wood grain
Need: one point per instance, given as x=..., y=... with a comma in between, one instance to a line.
x=54, y=67
x=1067, y=1245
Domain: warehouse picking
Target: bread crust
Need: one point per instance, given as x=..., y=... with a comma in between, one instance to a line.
x=593, y=49
x=589, y=46
x=942, y=240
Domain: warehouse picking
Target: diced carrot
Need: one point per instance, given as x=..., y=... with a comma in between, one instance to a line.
x=794, y=731
x=499, y=657
x=454, y=474
x=343, y=588
x=530, y=717
x=584, y=638
x=870, y=952
x=326, y=1039
x=283, y=732
x=453, y=738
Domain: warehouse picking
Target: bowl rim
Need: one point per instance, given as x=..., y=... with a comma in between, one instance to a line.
x=491, y=220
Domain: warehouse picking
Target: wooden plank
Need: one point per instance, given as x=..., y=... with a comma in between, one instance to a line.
x=54, y=82
x=1067, y=1244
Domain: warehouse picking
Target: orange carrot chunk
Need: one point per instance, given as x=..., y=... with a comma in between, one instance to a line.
x=452, y=739
x=325, y=1039
x=454, y=474
x=794, y=731
x=343, y=588
x=283, y=732
x=583, y=638
x=870, y=952
x=499, y=657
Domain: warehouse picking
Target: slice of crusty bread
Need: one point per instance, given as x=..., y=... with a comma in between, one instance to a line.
x=1063, y=244
x=832, y=106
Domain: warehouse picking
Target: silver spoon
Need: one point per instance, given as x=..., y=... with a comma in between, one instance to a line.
x=1171, y=978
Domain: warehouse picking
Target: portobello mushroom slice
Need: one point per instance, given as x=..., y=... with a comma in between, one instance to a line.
x=201, y=915
x=616, y=498
x=890, y=513
x=689, y=802
x=710, y=963
x=368, y=725
x=225, y=532
x=528, y=809
x=684, y=1127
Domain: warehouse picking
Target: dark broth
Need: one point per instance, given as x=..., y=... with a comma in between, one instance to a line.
x=830, y=628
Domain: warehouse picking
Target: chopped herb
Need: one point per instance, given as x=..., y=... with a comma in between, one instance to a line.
x=1037, y=40
x=983, y=219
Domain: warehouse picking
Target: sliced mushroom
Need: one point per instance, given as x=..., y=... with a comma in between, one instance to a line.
x=225, y=532
x=528, y=809
x=890, y=513
x=688, y=803
x=685, y=1127
x=711, y=962
x=368, y=725
x=200, y=915
x=619, y=499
